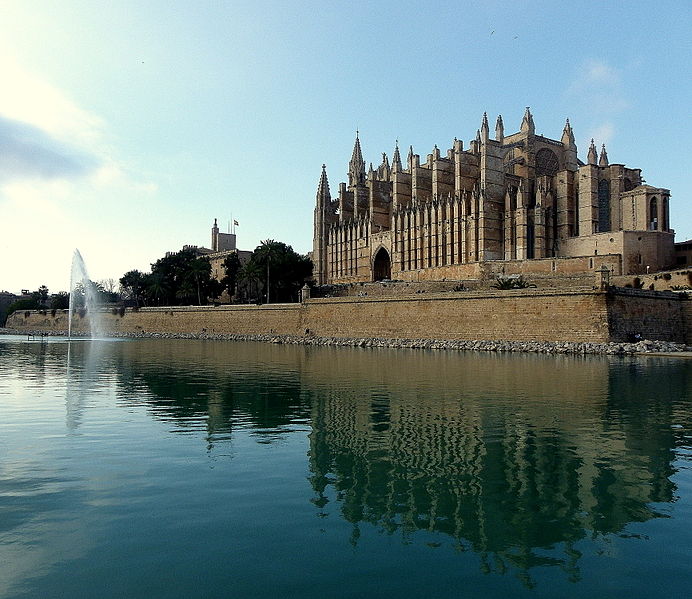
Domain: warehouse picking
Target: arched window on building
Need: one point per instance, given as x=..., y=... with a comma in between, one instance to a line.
x=603, y=205
x=653, y=214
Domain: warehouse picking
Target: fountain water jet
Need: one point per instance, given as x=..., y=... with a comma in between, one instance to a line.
x=80, y=276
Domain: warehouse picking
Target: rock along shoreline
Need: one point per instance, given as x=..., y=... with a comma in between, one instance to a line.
x=645, y=346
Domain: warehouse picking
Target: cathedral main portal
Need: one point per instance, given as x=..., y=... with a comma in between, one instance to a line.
x=382, y=266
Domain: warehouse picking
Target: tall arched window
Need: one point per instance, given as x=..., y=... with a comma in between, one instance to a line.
x=653, y=214
x=603, y=205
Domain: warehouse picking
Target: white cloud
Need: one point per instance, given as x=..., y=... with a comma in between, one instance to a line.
x=599, y=87
x=29, y=99
x=602, y=133
x=61, y=187
x=597, y=92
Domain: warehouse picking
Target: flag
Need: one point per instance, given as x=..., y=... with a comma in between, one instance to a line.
x=235, y=223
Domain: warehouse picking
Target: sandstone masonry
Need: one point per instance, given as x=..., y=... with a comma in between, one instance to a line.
x=521, y=202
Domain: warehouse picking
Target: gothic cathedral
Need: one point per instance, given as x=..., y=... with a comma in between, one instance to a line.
x=516, y=203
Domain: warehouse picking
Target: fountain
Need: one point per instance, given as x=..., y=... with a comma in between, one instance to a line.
x=80, y=277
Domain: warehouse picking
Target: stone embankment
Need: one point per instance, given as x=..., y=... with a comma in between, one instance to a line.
x=645, y=346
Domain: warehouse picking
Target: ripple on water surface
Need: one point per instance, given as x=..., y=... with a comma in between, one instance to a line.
x=179, y=468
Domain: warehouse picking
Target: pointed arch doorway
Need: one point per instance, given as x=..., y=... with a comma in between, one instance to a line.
x=381, y=266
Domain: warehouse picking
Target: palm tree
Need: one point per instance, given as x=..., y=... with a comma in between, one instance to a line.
x=199, y=269
x=251, y=274
x=267, y=250
x=156, y=285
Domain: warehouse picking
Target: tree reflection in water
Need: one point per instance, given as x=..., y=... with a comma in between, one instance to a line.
x=516, y=458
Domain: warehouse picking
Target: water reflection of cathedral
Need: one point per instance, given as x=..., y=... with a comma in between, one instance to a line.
x=510, y=472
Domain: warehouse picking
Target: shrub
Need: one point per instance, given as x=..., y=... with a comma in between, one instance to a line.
x=27, y=314
x=53, y=312
x=121, y=311
x=512, y=282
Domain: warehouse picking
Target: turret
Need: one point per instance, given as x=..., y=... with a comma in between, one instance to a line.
x=499, y=129
x=476, y=143
x=356, y=168
x=324, y=198
x=527, y=125
x=396, y=158
x=567, y=135
x=603, y=158
x=485, y=130
x=570, y=153
x=591, y=157
x=215, y=237
x=323, y=217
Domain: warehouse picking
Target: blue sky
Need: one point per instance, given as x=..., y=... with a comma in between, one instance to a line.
x=127, y=127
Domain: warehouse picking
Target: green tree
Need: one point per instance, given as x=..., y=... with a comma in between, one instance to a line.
x=41, y=295
x=250, y=275
x=30, y=303
x=199, y=271
x=60, y=301
x=155, y=286
x=285, y=271
x=232, y=266
x=133, y=284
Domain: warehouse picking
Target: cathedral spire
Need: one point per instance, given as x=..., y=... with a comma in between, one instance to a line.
x=591, y=157
x=485, y=130
x=567, y=135
x=527, y=125
x=499, y=129
x=410, y=157
x=603, y=159
x=356, y=168
x=323, y=195
x=396, y=158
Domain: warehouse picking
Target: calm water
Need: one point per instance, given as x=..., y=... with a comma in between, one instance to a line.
x=207, y=469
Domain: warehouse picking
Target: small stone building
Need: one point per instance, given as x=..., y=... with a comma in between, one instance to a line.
x=520, y=202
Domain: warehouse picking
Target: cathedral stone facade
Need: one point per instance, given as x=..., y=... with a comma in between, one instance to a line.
x=519, y=203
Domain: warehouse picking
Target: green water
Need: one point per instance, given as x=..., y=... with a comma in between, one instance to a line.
x=147, y=468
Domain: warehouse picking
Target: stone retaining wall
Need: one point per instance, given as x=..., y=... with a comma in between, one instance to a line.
x=522, y=315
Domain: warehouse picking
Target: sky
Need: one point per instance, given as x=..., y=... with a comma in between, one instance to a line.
x=126, y=127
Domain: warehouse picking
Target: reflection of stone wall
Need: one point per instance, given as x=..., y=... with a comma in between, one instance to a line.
x=533, y=315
